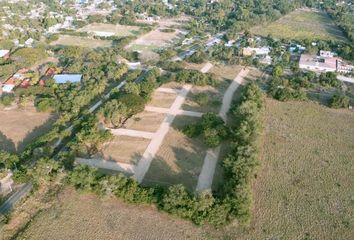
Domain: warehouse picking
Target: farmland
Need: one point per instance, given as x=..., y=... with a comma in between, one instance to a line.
x=19, y=127
x=81, y=42
x=302, y=24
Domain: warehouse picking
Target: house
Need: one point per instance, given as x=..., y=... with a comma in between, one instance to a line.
x=67, y=78
x=248, y=51
x=29, y=42
x=343, y=67
x=326, y=54
x=9, y=85
x=4, y=54
x=6, y=184
x=318, y=63
x=297, y=48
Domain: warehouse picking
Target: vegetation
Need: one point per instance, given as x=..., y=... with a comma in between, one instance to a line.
x=339, y=101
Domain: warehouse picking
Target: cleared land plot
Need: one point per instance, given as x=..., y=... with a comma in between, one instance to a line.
x=304, y=189
x=193, y=66
x=214, y=97
x=67, y=40
x=161, y=99
x=124, y=149
x=75, y=214
x=145, y=121
x=179, y=160
x=117, y=30
x=301, y=25
x=20, y=127
x=226, y=71
x=153, y=40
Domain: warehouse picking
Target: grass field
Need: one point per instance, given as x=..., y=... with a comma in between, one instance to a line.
x=226, y=71
x=179, y=159
x=215, y=95
x=118, y=30
x=303, y=189
x=145, y=121
x=19, y=127
x=81, y=42
x=161, y=99
x=305, y=185
x=301, y=25
x=124, y=149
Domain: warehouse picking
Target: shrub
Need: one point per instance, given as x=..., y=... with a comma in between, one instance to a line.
x=8, y=99
x=193, y=130
x=202, y=99
x=339, y=101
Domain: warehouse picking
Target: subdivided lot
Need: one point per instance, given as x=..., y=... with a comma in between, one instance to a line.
x=86, y=216
x=226, y=71
x=301, y=25
x=179, y=159
x=206, y=99
x=145, y=121
x=161, y=99
x=117, y=30
x=67, y=40
x=20, y=127
x=304, y=188
x=124, y=149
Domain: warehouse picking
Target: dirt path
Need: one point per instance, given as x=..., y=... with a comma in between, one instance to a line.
x=206, y=176
x=110, y=165
x=131, y=133
x=206, y=67
x=151, y=150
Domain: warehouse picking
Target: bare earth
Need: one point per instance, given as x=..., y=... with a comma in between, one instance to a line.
x=118, y=30
x=81, y=42
x=145, y=121
x=19, y=127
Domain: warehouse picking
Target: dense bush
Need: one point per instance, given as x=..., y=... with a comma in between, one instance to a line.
x=197, y=57
x=339, y=101
x=196, y=78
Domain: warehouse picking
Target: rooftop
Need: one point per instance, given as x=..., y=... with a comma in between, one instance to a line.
x=3, y=52
x=65, y=78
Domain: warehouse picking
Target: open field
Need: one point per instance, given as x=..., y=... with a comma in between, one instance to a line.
x=20, y=127
x=304, y=189
x=124, y=149
x=85, y=216
x=161, y=99
x=214, y=95
x=145, y=121
x=117, y=30
x=301, y=25
x=179, y=159
x=226, y=71
x=81, y=42
x=193, y=66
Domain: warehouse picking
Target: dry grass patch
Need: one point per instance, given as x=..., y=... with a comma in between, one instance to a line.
x=304, y=189
x=124, y=149
x=74, y=215
x=161, y=99
x=179, y=159
x=118, y=30
x=145, y=121
x=301, y=25
x=226, y=71
x=193, y=66
x=20, y=127
x=81, y=42
x=214, y=98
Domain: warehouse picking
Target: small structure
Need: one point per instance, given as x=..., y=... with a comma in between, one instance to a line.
x=67, y=78
x=343, y=67
x=318, y=63
x=248, y=51
x=326, y=54
x=4, y=53
x=29, y=42
x=6, y=184
x=9, y=85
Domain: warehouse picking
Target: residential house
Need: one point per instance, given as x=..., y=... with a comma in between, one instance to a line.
x=4, y=54
x=67, y=78
x=248, y=51
x=6, y=184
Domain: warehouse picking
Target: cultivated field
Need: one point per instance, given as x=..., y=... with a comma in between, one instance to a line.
x=81, y=42
x=117, y=30
x=124, y=149
x=179, y=159
x=19, y=127
x=302, y=24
